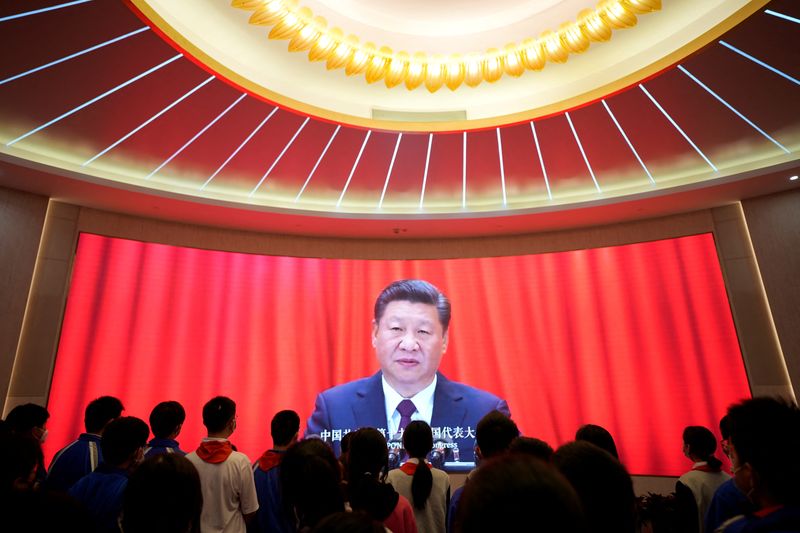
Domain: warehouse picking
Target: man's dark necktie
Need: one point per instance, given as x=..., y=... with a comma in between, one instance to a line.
x=406, y=408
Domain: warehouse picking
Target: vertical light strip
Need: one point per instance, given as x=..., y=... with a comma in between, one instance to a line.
x=502, y=168
x=196, y=136
x=391, y=166
x=781, y=16
x=353, y=170
x=675, y=124
x=146, y=122
x=238, y=148
x=583, y=153
x=95, y=99
x=43, y=10
x=425, y=174
x=541, y=162
x=630, y=144
x=759, y=62
x=464, y=172
x=319, y=160
x=73, y=56
x=729, y=106
x=280, y=156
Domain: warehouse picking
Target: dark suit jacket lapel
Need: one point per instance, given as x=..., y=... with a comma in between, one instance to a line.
x=448, y=406
x=369, y=407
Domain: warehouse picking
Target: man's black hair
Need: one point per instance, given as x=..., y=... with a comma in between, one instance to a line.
x=285, y=425
x=494, y=433
x=122, y=437
x=165, y=418
x=24, y=418
x=217, y=412
x=765, y=432
x=532, y=446
x=100, y=412
x=163, y=495
x=599, y=436
x=414, y=291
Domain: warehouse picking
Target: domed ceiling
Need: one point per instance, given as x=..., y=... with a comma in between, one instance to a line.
x=348, y=111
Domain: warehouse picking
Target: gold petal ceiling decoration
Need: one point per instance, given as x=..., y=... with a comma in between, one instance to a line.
x=307, y=32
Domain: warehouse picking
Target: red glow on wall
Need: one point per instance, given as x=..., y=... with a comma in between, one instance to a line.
x=636, y=338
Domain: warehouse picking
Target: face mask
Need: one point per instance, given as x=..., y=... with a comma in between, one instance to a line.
x=43, y=437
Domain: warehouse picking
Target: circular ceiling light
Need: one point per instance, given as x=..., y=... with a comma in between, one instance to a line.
x=306, y=31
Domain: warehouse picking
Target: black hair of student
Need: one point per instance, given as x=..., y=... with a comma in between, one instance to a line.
x=19, y=455
x=344, y=522
x=725, y=427
x=285, y=425
x=494, y=433
x=765, y=432
x=414, y=291
x=122, y=437
x=602, y=484
x=100, y=412
x=165, y=418
x=599, y=436
x=702, y=443
x=163, y=496
x=310, y=480
x=517, y=492
x=368, y=463
x=532, y=446
x=217, y=413
x=23, y=418
x=418, y=442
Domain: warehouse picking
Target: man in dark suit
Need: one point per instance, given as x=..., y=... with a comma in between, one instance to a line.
x=409, y=334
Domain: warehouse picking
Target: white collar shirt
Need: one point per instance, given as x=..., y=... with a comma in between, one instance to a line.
x=423, y=401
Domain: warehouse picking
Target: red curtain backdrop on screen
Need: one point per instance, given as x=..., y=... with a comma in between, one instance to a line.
x=636, y=338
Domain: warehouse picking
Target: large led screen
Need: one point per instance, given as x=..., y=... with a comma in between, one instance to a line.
x=636, y=338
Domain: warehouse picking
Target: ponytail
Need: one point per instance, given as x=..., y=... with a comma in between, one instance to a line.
x=421, y=485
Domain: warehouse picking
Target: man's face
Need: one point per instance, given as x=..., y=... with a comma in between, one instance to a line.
x=409, y=342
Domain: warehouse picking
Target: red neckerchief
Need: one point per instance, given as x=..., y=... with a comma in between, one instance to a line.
x=269, y=460
x=214, y=451
x=761, y=513
x=409, y=468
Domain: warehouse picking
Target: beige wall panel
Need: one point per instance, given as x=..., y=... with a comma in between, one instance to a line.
x=21, y=220
x=38, y=340
x=774, y=225
x=117, y=225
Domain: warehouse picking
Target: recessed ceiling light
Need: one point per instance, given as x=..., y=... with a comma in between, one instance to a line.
x=794, y=178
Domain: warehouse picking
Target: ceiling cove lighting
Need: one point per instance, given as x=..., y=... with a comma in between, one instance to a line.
x=580, y=147
x=782, y=16
x=193, y=139
x=238, y=148
x=43, y=10
x=73, y=56
x=759, y=62
x=93, y=100
x=630, y=145
x=425, y=173
x=309, y=33
x=280, y=156
x=675, y=124
x=794, y=178
x=319, y=160
x=729, y=106
x=389, y=172
x=146, y=122
x=353, y=170
x=541, y=161
x=502, y=168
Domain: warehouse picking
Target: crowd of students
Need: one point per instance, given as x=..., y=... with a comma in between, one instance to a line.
x=113, y=479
